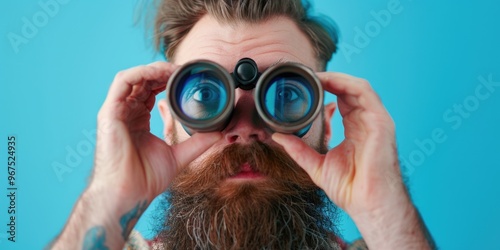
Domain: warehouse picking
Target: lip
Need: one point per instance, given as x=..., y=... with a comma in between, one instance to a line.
x=247, y=172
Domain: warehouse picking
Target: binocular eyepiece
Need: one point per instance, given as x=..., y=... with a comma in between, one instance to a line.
x=288, y=96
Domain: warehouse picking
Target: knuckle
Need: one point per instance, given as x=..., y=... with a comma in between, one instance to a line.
x=391, y=124
x=102, y=115
x=364, y=84
x=158, y=64
x=380, y=122
x=120, y=75
x=388, y=125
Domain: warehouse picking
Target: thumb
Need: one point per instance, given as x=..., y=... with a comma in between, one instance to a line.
x=310, y=160
x=188, y=150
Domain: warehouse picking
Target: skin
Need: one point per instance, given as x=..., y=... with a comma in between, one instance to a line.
x=132, y=166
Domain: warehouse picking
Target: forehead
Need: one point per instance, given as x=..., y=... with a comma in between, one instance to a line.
x=276, y=39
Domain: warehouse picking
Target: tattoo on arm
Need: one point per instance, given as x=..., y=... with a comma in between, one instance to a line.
x=95, y=239
x=128, y=220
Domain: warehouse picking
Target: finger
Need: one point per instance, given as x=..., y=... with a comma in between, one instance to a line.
x=188, y=150
x=150, y=102
x=161, y=65
x=155, y=76
x=353, y=91
x=305, y=156
x=144, y=94
x=329, y=111
x=151, y=99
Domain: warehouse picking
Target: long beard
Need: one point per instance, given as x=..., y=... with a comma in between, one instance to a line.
x=285, y=210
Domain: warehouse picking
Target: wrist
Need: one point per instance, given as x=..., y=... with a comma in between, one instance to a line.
x=116, y=209
x=102, y=215
x=392, y=227
x=109, y=203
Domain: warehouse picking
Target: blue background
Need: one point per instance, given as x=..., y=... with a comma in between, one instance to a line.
x=426, y=59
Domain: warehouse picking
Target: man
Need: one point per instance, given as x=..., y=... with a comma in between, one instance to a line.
x=214, y=203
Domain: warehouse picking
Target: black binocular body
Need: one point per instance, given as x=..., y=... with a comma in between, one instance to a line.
x=288, y=96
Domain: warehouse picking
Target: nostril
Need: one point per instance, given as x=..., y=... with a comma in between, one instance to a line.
x=232, y=138
x=254, y=137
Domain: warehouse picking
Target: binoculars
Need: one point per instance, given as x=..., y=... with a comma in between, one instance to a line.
x=201, y=94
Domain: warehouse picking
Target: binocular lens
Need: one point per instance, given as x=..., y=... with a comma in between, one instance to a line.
x=201, y=96
x=288, y=98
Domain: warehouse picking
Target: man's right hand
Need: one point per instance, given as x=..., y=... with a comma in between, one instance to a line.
x=132, y=166
x=128, y=157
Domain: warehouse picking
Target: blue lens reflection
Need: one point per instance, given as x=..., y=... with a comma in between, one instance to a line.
x=288, y=98
x=202, y=96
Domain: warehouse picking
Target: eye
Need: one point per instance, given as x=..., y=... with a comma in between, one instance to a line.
x=287, y=94
x=289, y=100
x=202, y=97
x=205, y=93
x=202, y=88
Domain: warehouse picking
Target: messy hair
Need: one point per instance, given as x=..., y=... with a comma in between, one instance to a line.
x=175, y=18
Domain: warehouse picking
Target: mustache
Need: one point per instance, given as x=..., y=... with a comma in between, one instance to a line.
x=269, y=160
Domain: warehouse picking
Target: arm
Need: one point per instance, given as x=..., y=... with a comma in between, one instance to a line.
x=101, y=219
x=362, y=174
x=131, y=165
x=397, y=228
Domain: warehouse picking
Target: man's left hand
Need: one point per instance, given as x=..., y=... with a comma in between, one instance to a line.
x=362, y=175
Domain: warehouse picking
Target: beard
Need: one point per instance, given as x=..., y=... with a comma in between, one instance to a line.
x=207, y=209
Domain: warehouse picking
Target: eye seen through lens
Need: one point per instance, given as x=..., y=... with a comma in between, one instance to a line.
x=288, y=98
x=202, y=96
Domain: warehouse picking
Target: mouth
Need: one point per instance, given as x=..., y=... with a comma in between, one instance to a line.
x=247, y=172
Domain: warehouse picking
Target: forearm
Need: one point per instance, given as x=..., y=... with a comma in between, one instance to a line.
x=426, y=232
x=397, y=228
x=101, y=219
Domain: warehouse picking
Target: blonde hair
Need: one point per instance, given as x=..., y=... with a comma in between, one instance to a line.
x=175, y=18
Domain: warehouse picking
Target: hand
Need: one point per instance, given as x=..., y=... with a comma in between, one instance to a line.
x=353, y=173
x=361, y=175
x=128, y=157
x=132, y=166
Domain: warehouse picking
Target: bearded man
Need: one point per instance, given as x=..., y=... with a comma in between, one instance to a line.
x=246, y=186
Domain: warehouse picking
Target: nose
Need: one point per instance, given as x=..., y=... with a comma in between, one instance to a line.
x=246, y=125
